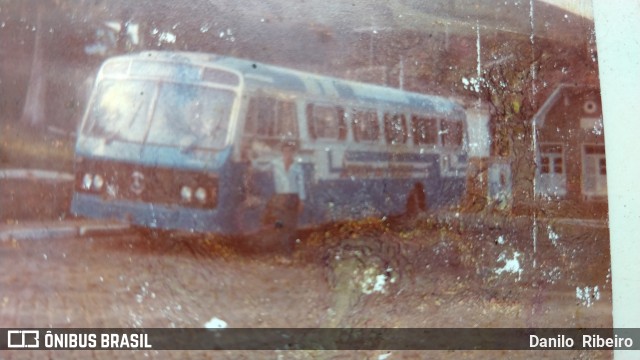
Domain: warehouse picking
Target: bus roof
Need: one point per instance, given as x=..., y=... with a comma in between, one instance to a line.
x=258, y=75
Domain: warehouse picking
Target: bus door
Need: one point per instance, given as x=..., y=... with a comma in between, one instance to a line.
x=270, y=142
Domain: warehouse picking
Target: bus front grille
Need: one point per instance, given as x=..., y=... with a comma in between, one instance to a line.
x=167, y=186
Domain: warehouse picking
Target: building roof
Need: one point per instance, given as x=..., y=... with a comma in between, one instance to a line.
x=540, y=116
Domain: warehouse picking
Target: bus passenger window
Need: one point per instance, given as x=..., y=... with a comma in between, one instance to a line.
x=326, y=122
x=425, y=131
x=365, y=126
x=271, y=118
x=452, y=132
x=260, y=117
x=395, y=128
x=286, y=120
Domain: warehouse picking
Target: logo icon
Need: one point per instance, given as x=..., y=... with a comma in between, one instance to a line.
x=137, y=184
x=23, y=339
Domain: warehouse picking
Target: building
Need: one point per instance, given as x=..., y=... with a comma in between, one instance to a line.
x=570, y=153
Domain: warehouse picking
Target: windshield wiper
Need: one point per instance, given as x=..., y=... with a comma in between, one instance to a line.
x=191, y=147
x=109, y=139
x=199, y=138
x=116, y=134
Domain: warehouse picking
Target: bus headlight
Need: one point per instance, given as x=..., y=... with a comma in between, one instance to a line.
x=196, y=191
x=98, y=182
x=186, y=193
x=201, y=194
x=87, y=180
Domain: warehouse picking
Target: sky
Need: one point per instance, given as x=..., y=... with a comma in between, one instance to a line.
x=580, y=7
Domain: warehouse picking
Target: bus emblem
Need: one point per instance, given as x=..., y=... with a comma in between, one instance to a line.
x=137, y=186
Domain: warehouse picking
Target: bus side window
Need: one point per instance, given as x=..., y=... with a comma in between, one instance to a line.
x=365, y=125
x=268, y=118
x=286, y=120
x=452, y=133
x=395, y=128
x=260, y=117
x=326, y=122
x=424, y=130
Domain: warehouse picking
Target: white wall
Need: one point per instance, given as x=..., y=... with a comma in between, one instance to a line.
x=617, y=34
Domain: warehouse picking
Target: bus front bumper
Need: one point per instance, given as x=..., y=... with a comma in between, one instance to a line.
x=153, y=216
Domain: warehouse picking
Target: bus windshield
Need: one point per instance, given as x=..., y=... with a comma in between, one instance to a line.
x=162, y=113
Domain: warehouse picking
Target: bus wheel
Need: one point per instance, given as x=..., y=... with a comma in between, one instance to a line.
x=280, y=223
x=416, y=201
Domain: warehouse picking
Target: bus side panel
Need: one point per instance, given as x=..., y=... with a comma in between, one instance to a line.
x=252, y=190
x=310, y=212
x=346, y=199
x=443, y=193
x=341, y=200
x=450, y=192
x=355, y=191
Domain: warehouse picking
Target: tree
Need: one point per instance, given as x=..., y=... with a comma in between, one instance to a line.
x=33, y=111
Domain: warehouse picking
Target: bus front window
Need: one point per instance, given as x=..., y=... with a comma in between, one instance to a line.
x=161, y=113
x=190, y=116
x=120, y=110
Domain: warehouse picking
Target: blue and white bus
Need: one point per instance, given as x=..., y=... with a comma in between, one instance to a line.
x=209, y=143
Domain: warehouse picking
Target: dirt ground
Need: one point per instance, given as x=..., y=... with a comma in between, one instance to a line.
x=372, y=273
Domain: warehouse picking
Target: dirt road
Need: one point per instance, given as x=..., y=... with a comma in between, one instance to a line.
x=367, y=274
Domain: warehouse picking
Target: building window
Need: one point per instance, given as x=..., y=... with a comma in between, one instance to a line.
x=603, y=166
x=551, y=159
x=594, y=171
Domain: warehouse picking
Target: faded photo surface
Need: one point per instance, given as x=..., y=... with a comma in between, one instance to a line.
x=300, y=164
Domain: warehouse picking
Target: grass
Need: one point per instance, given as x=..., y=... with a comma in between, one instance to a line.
x=27, y=147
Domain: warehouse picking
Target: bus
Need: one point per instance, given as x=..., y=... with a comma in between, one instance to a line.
x=209, y=143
